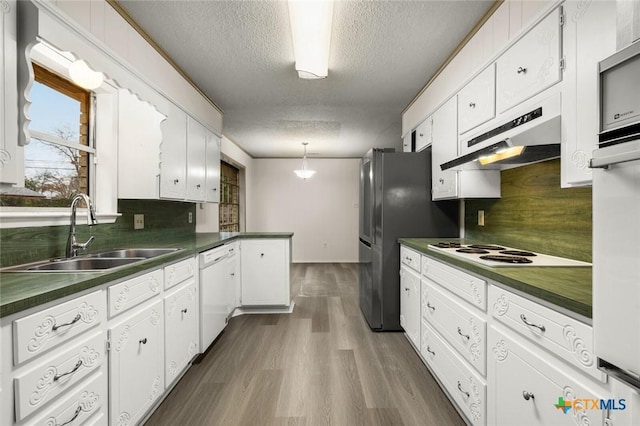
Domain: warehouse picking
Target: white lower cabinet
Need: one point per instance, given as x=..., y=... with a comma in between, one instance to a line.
x=410, y=304
x=464, y=385
x=264, y=267
x=181, y=329
x=136, y=364
x=530, y=387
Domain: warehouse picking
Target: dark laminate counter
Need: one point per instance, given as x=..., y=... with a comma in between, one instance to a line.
x=23, y=290
x=566, y=287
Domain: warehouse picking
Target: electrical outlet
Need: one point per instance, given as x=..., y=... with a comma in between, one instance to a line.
x=190, y=217
x=138, y=221
x=480, y=217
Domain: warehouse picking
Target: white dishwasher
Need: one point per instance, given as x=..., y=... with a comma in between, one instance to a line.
x=214, y=283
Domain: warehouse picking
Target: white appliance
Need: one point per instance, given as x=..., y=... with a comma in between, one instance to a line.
x=616, y=218
x=494, y=255
x=214, y=283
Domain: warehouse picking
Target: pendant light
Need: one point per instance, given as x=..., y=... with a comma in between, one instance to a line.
x=304, y=173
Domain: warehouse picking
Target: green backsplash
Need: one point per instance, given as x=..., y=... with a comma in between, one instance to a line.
x=534, y=213
x=162, y=220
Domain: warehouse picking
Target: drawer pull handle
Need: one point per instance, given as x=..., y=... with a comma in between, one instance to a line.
x=530, y=324
x=73, y=370
x=527, y=395
x=441, y=180
x=430, y=351
x=472, y=104
x=184, y=311
x=175, y=181
x=406, y=289
x=466, y=336
x=261, y=254
x=407, y=258
x=462, y=390
x=73, y=321
x=143, y=341
x=433, y=308
x=198, y=186
x=75, y=416
x=522, y=70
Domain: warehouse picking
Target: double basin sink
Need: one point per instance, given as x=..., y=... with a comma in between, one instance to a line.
x=94, y=262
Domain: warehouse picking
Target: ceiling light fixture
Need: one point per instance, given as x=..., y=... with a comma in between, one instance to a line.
x=84, y=76
x=304, y=173
x=311, y=30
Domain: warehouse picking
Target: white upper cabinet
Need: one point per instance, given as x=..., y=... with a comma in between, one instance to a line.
x=173, y=155
x=477, y=100
x=212, y=185
x=444, y=184
x=196, y=160
x=139, y=138
x=406, y=142
x=589, y=37
x=423, y=134
x=531, y=65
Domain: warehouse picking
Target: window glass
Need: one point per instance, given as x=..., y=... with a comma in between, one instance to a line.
x=57, y=158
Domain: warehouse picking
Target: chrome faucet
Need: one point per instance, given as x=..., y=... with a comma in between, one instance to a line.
x=72, y=244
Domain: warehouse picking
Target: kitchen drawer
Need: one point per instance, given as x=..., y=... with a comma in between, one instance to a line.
x=83, y=405
x=129, y=293
x=563, y=336
x=464, y=386
x=410, y=258
x=463, y=285
x=44, y=330
x=179, y=272
x=464, y=330
x=46, y=381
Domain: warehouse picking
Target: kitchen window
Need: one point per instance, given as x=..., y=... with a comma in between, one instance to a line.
x=229, y=198
x=58, y=158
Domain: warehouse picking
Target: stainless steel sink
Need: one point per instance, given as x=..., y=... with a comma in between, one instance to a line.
x=146, y=253
x=78, y=264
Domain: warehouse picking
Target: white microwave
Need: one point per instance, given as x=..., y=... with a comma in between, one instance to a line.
x=620, y=96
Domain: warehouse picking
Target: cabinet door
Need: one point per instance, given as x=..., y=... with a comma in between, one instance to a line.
x=589, y=36
x=444, y=184
x=477, y=100
x=406, y=142
x=136, y=364
x=526, y=386
x=423, y=134
x=139, y=139
x=531, y=65
x=181, y=329
x=212, y=185
x=410, y=304
x=265, y=272
x=173, y=155
x=196, y=160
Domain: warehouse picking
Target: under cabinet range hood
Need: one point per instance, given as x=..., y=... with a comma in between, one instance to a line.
x=528, y=134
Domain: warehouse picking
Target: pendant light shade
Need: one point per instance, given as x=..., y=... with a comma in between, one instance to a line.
x=304, y=173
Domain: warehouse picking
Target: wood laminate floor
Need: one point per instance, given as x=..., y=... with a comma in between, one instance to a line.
x=319, y=365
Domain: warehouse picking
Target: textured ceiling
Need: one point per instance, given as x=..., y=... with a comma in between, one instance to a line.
x=240, y=54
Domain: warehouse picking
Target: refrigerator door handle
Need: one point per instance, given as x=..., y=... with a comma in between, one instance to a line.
x=366, y=243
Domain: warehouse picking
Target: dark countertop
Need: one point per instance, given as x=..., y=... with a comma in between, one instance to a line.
x=566, y=287
x=23, y=290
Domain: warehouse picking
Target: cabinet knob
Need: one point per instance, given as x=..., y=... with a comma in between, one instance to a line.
x=143, y=341
x=214, y=189
x=522, y=70
x=261, y=254
x=406, y=289
x=527, y=395
x=175, y=181
x=198, y=186
x=441, y=180
x=472, y=104
x=184, y=311
x=421, y=134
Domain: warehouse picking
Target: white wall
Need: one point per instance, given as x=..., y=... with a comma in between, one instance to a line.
x=322, y=212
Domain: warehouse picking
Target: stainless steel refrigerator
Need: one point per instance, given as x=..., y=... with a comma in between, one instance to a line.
x=395, y=202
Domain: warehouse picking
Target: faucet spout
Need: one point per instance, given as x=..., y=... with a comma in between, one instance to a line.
x=72, y=243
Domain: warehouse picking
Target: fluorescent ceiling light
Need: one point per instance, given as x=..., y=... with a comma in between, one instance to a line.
x=311, y=30
x=84, y=76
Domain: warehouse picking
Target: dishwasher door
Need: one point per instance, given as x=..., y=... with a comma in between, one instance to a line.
x=214, y=283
